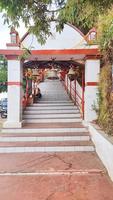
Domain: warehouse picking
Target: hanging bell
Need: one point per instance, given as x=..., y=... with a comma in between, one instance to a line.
x=35, y=72
x=71, y=74
x=52, y=74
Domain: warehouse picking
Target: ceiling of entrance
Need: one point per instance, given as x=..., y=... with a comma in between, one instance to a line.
x=57, y=57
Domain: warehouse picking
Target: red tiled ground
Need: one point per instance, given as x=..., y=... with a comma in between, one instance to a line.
x=34, y=162
x=79, y=187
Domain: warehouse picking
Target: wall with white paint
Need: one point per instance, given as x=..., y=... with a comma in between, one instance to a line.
x=15, y=75
x=92, y=70
x=104, y=147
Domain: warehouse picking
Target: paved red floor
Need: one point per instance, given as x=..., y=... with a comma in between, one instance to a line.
x=84, y=178
x=34, y=162
x=78, y=187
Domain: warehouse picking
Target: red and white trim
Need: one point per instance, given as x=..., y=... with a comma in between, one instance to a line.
x=90, y=52
x=91, y=84
x=14, y=83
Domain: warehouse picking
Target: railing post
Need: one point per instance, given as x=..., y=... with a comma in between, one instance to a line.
x=67, y=84
x=64, y=83
x=83, y=94
x=26, y=89
x=75, y=91
x=70, y=89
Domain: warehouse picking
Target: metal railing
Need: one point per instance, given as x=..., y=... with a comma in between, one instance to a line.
x=74, y=94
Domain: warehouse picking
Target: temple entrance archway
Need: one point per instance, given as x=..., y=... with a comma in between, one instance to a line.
x=69, y=47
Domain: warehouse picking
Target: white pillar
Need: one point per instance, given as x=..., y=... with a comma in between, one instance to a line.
x=15, y=76
x=92, y=70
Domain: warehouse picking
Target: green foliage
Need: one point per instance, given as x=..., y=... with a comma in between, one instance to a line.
x=3, y=78
x=24, y=85
x=84, y=13
x=26, y=53
x=3, y=61
x=79, y=13
x=3, y=73
x=36, y=15
x=105, y=35
x=105, y=103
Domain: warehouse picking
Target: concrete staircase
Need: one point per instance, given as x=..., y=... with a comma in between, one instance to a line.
x=49, y=126
x=52, y=112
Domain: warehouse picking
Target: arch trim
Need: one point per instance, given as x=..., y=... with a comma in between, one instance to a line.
x=72, y=26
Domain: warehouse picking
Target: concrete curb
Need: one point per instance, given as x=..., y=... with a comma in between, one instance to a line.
x=104, y=147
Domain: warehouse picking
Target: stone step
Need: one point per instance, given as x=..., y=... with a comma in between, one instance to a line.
x=46, y=149
x=53, y=104
x=50, y=116
x=66, y=146
x=51, y=120
x=45, y=139
x=33, y=112
x=62, y=134
x=52, y=108
x=50, y=162
x=45, y=143
x=54, y=125
x=31, y=130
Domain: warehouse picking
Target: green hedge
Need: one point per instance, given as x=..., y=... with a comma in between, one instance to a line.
x=105, y=102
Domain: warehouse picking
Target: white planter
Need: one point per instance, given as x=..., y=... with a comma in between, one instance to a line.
x=104, y=147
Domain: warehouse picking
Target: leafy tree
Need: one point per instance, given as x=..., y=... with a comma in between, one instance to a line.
x=3, y=74
x=105, y=100
x=105, y=35
x=35, y=14
x=3, y=61
x=84, y=14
